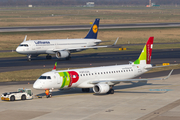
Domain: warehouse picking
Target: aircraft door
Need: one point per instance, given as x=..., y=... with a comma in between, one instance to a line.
x=33, y=46
x=58, y=78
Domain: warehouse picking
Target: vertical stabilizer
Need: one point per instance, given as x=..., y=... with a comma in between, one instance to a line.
x=145, y=56
x=94, y=30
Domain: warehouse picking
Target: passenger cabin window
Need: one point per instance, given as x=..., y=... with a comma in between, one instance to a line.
x=45, y=77
x=25, y=45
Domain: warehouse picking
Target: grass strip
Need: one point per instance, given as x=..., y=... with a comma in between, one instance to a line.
x=34, y=74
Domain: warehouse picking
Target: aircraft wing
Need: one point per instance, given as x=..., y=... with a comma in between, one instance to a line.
x=128, y=80
x=80, y=48
x=85, y=47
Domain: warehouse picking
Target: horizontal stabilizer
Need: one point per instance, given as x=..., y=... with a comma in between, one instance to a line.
x=160, y=66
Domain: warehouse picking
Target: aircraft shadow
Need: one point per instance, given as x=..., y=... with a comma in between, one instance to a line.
x=139, y=92
x=79, y=91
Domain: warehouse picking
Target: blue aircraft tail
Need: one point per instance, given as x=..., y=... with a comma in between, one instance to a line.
x=94, y=30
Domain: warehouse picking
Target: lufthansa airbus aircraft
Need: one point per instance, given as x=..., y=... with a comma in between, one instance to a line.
x=61, y=47
x=101, y=79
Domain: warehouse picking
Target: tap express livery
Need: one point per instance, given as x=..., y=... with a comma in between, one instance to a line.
x=62, y=48
x=101, y=79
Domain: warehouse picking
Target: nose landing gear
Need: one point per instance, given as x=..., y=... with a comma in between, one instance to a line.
x=29, y=57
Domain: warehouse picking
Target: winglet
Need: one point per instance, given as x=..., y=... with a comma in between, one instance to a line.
x=115, y=41
x=55, y=65
x=168, y=75
x=25, y=38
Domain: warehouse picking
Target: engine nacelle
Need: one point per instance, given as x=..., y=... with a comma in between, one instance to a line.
x=101, y=88
x=62, y=54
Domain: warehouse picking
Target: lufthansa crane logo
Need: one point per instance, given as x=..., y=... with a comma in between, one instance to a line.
x=95, y=29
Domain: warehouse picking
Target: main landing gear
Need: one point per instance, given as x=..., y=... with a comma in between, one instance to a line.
x=29, y=57
x=85, y=89
x=69, y=57
x=111, y=91
x=48, y=93
x=48, y=56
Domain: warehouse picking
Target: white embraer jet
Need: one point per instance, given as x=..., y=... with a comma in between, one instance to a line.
x=101, y=79
x=61, y=47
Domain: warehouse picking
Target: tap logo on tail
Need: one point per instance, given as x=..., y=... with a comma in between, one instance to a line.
x=145, y=56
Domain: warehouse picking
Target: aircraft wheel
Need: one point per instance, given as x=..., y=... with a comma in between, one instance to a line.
x=85, y=89
x=29, y=57
x=48, y=57
x=68, y=58
x=49, y=96
x=111, y=91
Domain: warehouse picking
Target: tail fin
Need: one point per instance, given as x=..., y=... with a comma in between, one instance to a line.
x=94, y=30
x=55, y=65
x=145, y=57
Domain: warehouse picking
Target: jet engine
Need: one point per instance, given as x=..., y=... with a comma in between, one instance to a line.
x=62, y=54
x=101, y=88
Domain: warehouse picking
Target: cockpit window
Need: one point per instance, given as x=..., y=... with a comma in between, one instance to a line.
x=25, y=45
x=45, y=77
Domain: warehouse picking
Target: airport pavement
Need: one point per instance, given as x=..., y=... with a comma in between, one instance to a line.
x=88, y=60
x=86, y=27
x=156, y=100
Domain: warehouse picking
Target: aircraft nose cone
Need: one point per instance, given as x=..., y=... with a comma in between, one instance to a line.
x=36, y=85
x=18, y=50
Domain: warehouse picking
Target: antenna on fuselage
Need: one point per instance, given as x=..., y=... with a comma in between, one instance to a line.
x=25, y=38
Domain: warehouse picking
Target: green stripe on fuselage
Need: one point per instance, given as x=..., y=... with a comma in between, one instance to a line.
x=65, y=79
